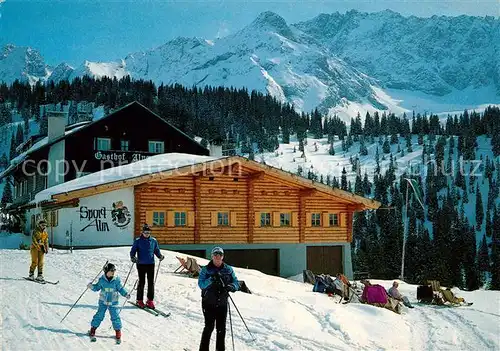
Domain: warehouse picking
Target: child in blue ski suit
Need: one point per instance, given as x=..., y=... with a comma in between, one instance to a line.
x=110, y=286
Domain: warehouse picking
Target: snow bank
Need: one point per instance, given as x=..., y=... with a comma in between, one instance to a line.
x=281, y=314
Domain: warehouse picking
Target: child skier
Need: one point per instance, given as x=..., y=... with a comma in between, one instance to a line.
x=110, y=286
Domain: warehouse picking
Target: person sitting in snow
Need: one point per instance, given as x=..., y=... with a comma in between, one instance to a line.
x=146, y=248
x=394, y=293
x=216, y=280
x=110, y=286
x=39, y=247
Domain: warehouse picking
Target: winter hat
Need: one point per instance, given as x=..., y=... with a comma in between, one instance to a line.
x=217, y=250
x=145, y=228
x=109, y=267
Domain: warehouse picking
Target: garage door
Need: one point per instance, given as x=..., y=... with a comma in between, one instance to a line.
x=264, y=260
x=325, y=259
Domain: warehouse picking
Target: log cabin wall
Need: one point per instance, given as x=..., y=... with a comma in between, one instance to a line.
x=227, y=209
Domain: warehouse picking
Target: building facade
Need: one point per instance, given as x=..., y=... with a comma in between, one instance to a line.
x=265, y=218
x=130, y=134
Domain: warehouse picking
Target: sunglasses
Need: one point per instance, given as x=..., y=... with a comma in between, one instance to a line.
x=218, y=254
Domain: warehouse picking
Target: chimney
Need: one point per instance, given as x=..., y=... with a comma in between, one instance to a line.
x=56, y=126
x=216, y=146
x=215, y=150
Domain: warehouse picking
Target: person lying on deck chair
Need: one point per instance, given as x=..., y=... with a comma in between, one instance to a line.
x=394, y=293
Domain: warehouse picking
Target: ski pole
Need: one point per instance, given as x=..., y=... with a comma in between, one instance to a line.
x=241, y=317
x=121, y=308
x=128, y=275
x=231, y=324
x=157, y=271
x=83, y=293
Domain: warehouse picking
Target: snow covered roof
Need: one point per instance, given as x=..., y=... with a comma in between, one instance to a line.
x=151, y=165
x=36, y=146
x=176, y=164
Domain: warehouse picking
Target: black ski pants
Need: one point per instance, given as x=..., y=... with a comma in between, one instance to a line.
x=143, y=270
x=214, y=316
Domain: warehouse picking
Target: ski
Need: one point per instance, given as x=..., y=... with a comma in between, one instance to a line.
x=161, y=313
x=41, y=281
x=153, y=312
x=34, y=280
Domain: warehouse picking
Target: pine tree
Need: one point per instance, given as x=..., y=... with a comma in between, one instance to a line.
x=331, y=151
x=44, y=123
x=367, y=187
x=12, y=153
x=4, y=161
x=386, y=148
x=72, y=113
x=483, y=260
x=495, y=252
x=343, y=180
x=7, y=193
x=479, y=208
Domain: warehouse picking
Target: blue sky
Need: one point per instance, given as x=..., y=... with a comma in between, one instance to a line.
x=74, y=30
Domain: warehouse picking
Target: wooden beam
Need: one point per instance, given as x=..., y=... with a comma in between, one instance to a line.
x=103, y=188
x=349, y=226
x=251, y=209
x=197, y=209
x=301, y=181
x=257, y=175
x=302, y=218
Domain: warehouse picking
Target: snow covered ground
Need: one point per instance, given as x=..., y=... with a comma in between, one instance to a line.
x=282, y=314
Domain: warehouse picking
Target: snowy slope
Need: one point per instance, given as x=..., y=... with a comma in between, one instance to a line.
x=281, y=314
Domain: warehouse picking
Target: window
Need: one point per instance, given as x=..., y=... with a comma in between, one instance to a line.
x=45, y=182
x=223, y=219
x=284, y=219
x=34, y=183
x=265, y=219
x=180, y=219
x=158, y=219
x=54, y=218
x=102, y=144
x=124, y=145
x=157, y=147
x=334, y=219
x=316, y=220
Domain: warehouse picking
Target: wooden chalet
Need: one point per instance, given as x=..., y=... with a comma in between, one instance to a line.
x=263, y=217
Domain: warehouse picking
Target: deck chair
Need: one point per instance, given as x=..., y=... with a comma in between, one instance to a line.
x=189, y=265
x=449, y=296
x=435, y=284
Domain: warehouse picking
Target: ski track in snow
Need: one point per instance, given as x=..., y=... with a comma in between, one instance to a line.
x=281, y=314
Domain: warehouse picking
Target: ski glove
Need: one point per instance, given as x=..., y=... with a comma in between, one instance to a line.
x=161, y=258
x=128, y=296
x=230, y=288
x=89, y=285
x=133, y=259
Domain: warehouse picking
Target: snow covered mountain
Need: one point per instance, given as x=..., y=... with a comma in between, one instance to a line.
x=434, y=55
x=341, y=63
x=23, y=63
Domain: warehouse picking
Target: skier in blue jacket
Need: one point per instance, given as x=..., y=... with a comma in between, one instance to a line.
x=146, y=248
x=216, y=280
x=110, y=286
